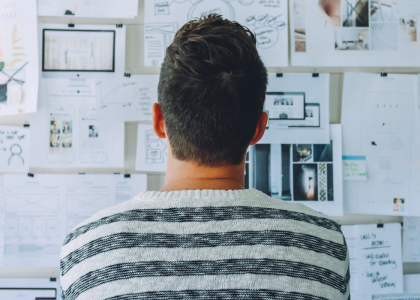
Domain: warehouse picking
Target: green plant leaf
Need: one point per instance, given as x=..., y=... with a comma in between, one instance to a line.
x=1, y=65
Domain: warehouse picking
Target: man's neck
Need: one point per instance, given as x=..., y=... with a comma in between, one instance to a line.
x=189, y=176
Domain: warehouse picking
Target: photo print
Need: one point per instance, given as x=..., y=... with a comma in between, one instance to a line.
x=408, y=28
x=93, y=131
x=300, y=25
x=55, y=137
x=292, y=172
x=355, y=13
x=399, y=204
x=383, y=11
x=67, y=134
x=352, y=39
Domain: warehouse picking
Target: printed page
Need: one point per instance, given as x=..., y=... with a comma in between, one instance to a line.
x=66, y=133
x=82, y=52
x=282, y=92
x=89, y=9
x=266, y=18
x=404, y=296
x=34, y=208
x=378, y=119
x=152, y=152
x=29, y=288
x=19, y=67
x=14, y=149
x=40, y=211
x=310, y=174
x=127, y=99
x=411, y=239
x=411, y=283
x=375, y=258
x=354, y=33
x=1, y=218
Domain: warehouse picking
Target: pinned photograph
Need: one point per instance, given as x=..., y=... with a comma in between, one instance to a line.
x=408, y=28
x=355, y=13
x=299, y=15
x=302, y=153
x=323, y=153
x=384, y=36
x=305, y=182
x=331, y=11
x=55, y=127
x=383, y=11
x=67, y=136
x=399, y=204
x=93, y=131
x=357, y=39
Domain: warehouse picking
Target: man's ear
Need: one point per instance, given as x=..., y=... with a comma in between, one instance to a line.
x=158, y=124
x=259, y=131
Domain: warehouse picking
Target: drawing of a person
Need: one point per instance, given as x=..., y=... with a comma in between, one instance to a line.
x=70, y=7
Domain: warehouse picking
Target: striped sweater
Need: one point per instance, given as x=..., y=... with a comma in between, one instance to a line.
x=206, y=244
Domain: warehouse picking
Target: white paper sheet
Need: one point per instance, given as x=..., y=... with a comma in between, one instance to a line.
x=411, y=283
x=411, y=239
x=152, y=152
x=303, y=173
x=314, y=129
x=127, y=99
x=89, y=9
x=378, y=119
x=267, y=19
x=404, y=296
x=41, y=210
x=18, y=53
x=1, y=218
x=356, y=33
x=14, y=149
x=83, y=51
x=65, y=131
x=375, y=258
x=29, y=289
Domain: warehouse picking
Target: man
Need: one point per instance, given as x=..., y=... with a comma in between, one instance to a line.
x=203, y=236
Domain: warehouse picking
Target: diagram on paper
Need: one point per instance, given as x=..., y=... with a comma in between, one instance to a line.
x=31, y=228
x=266, y=18
x=127, y=99
x=38, y=203
x=86, y=203
x=156, y=149
x=14, y=148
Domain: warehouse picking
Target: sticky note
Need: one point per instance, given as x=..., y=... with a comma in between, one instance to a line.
x=354, y=168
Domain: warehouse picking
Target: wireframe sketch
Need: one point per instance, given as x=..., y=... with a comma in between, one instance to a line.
x=31, y=228
x=86, y=203
x=156, y=149
x=266, y=18
x=30, y=203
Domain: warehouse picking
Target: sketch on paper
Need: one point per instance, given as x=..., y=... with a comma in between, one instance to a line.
x=267, y=19
x=126, y=99
x=14, y=148
x=86, y=203
x=31, y=228
x=156, y=149
x=40, y=203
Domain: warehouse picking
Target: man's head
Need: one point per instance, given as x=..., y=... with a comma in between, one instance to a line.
x=212, y=91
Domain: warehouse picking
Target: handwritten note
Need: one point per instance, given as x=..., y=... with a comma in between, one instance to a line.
x=14, y=149
x=375, y=258
x=354, y=168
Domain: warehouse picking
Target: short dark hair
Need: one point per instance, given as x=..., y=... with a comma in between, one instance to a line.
x=211, y=91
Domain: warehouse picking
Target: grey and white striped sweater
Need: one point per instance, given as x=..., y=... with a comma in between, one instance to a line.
x=206, y=245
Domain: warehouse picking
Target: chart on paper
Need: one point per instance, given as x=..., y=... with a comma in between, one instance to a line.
x=267, y=19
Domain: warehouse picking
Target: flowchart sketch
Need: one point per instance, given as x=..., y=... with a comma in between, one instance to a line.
x=268, y=20
x=19, y=66
x=14, y=149
x=39, y=203
x=126, y=99
x=152, y=152
x=88, y=203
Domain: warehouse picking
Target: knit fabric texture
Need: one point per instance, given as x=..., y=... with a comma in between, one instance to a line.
x=208, y=244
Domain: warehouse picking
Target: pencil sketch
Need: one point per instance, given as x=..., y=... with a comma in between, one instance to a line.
x=268, y=20
x=156, y=149
x=14, y=148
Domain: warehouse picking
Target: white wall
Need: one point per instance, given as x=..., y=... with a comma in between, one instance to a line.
x=134, y=65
